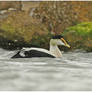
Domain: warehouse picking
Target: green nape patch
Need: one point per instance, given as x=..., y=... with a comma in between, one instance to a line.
x=80, y=36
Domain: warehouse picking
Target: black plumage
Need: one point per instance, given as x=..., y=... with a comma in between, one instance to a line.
x=57, y=37
x=32, y=53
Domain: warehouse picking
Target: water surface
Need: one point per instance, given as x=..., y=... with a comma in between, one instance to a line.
x=71, y=72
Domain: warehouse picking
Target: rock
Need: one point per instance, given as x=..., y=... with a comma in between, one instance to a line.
x=26, y=6
x=5, y=5
x=80, y=36
x=3, y=12
x=11, y=9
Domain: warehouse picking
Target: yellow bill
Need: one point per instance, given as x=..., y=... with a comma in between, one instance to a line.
x=66, y=44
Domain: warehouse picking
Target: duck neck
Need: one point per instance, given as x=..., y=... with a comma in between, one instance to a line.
x=55, y=50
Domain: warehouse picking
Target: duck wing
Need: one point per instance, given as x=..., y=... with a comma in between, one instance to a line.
x=33, y=52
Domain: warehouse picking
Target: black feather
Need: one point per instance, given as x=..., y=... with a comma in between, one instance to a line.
x=32, y=53
x=57, y=37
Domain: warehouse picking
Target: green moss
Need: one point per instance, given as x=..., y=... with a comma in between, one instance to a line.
x=80, y=36
x=83, y=29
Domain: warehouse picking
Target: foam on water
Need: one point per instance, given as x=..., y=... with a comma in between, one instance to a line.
x=5, y=54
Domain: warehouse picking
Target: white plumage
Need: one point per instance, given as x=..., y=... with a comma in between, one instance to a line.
x=54, y=51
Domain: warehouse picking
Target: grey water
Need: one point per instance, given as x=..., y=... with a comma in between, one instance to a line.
x=72, y=72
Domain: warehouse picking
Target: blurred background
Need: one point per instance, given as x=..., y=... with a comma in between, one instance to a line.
x=27, y=23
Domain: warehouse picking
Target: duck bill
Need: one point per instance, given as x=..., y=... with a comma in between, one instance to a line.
x=66, y=44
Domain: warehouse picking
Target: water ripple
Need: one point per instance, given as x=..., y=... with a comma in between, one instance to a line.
x=72, y=72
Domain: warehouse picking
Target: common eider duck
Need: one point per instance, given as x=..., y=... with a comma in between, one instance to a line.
x=53, y=52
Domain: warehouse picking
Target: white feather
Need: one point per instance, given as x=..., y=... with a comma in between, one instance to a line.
x=38, y=49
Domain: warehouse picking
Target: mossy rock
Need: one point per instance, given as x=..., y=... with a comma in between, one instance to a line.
x=80, y=36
